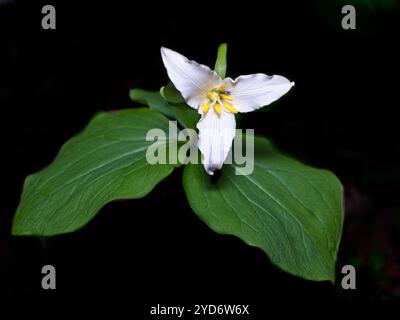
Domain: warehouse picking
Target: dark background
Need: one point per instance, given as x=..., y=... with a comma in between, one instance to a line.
x=341, y=115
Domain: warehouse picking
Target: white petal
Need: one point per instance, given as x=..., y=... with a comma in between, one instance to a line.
x=216, y=133
x=254, y=91
x=192, y=79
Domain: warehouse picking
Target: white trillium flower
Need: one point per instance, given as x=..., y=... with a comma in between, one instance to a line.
x=218, y=100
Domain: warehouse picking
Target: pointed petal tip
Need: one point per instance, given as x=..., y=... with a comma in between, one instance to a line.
x=167, y=53
x=211, y=168
x=164, y=51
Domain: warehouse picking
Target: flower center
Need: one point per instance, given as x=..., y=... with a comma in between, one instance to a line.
x=218, y=98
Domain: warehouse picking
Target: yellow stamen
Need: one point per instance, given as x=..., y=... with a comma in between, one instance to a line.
x=220, y=88
x=212, y=95
x=225, y=97
x=230, y=107
x=217, y=108
x=206, y=106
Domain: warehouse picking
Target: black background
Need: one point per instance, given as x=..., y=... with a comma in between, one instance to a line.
x=341, y=115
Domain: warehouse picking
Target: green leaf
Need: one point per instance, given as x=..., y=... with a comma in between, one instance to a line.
x=186, y=116
x=171, y=94
x=291, y=211
x=220, y=64
x=106, y=162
